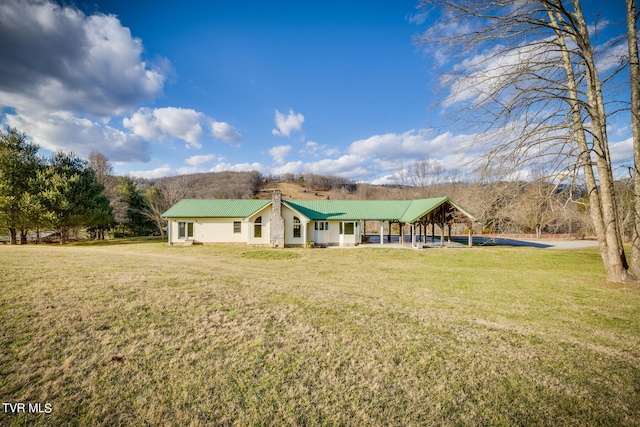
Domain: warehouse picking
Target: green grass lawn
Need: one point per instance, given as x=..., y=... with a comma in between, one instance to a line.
x=145, y=334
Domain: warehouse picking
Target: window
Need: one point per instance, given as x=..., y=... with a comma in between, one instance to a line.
x=185, y=230
x=257, y=227
x=296, y=226
x=346, y=228
x=237, y=226
x=320, y=225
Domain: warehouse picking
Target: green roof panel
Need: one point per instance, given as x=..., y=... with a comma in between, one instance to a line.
x=418, y=208
x=215, y=208
x=345, y=210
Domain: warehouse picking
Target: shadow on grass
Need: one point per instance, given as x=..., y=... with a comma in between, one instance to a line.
x=271, y=254
x=118, y=241
x=501, y=241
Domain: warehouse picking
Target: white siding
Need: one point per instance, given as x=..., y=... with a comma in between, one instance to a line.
x=211, y=230
x=288, y=215
x=265, y=213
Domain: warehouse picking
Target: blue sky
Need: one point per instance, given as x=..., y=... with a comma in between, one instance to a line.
x=165, y=88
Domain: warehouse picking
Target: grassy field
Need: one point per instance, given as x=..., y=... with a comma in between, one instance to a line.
x=139, y=333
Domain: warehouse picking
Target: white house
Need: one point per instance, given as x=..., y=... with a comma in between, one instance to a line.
x=290, y=223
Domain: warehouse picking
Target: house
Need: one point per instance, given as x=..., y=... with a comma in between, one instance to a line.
x=289, y=223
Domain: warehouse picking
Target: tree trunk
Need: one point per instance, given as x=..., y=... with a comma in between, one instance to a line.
x=617, y=270
x=634, y=71
x=13, y=239
x=23, y=236
x=601, y=196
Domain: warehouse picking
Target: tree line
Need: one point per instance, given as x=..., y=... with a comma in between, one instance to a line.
x=66, y=195
x=59, y=193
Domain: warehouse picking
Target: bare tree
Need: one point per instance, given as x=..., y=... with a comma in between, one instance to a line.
x=427, y=177
x=634, y=71
x=156, y=205
x=527, y=74
x=101, y=166
x=536, y=207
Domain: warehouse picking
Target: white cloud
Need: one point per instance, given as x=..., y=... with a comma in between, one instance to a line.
x=64, y=74
x=159, y=172
x=478, y=77
x=409, y=145
x=290, y=167
x=196, y=162
x=225, y=132
x=238, y=167
x=417, y=18
x=63, y=131
x=200, y=160
x=331, y=151
x=178, y=123
x=350, y=165
x=622, y=151
x=279, y=153
x=75, y=62
x=311, y=148
x=167, y=123
x=187, y=170
x=314, y=149
x=286, y=124
x=385, y=180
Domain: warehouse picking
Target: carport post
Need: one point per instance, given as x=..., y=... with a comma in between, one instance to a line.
x=413, y=236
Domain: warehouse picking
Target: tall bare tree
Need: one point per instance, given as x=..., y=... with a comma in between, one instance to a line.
x=101, y=166
x=634, y=71
x=156, y=205
x=526, y=72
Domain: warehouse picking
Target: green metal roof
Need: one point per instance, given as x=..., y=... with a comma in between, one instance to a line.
x=215, y=208
x=419, y=208
x=344, y=210
x=316, y=210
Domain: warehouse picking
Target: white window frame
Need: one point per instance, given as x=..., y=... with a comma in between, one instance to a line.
x=185, y=229
x=257, y=225
x=297, y=228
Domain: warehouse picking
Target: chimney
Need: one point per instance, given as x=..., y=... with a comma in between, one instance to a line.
x=277, y=222
x=276, y=203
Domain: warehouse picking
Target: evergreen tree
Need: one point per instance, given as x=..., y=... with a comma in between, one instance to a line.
x=71, y=196
x=133, y=218
x=19, y=164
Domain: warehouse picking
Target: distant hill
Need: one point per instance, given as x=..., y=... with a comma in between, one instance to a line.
x=290, y=190
x=209, y=185
x=246, y=185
